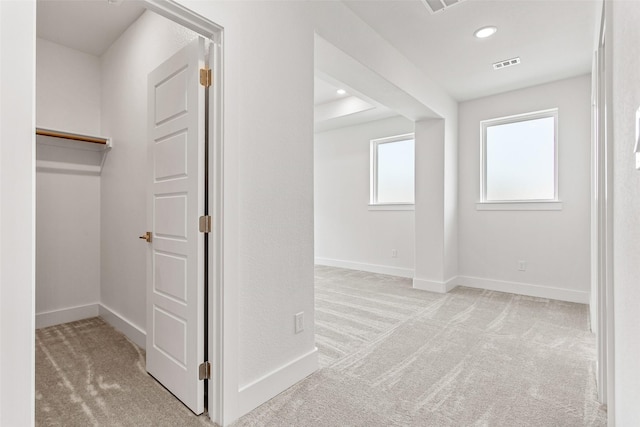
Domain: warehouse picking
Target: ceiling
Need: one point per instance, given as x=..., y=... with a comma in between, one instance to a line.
x=90, y=26
x=333, y=110
x=324, y=92
x=553, y=38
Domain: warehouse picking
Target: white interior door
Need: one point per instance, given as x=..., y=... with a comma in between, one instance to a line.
x=175, y=263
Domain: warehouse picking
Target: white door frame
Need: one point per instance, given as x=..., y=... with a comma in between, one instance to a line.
x=607, y=285
x=602, y=223
x=216, y=314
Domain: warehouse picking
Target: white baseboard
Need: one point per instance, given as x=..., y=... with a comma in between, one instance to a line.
x=65, y=315
x=371, y=268
x=115, y=319
x=433, y=286
x=528, y=289
x=255, y=394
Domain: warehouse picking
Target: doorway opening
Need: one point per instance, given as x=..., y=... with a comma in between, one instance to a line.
x=91, y=201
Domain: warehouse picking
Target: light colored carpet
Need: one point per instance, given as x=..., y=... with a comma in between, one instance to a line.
x=390, y=356
x=395, y=356
x=88, y=374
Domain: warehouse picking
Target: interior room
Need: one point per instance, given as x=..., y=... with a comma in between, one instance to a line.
x=318, y=297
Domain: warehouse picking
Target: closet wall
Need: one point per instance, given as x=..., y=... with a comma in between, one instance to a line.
x=67, y=204
x=89, y=259
x=125, y=65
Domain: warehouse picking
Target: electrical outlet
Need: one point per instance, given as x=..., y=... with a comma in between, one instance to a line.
x=522, y=265
x=299, y=322
x=394, y=253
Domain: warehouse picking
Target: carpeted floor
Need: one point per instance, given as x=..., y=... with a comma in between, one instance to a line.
x=395, y=356
x=390, y=356
x=88, y=374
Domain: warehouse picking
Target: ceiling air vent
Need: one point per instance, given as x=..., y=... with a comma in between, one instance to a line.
x=436, y=6
x=506, y=63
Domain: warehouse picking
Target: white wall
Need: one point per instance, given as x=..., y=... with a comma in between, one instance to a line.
x=347, y=233
x=623, y=52
x=67, y=89
x=125, y=66
x=67, y=247
x=268, y=137
x=67, y=204
x=555, y=244
x=17, y=212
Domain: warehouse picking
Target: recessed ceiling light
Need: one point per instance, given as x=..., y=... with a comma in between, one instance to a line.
x=341, y=91
x=485, y=32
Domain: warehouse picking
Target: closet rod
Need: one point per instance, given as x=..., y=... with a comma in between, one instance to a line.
x=73, y=136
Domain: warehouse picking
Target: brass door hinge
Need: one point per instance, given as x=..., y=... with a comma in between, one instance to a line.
x=204, y=371
x=205, y=77
x=205, y=224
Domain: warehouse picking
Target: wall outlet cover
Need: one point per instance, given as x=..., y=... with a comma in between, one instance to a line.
x=299, y=322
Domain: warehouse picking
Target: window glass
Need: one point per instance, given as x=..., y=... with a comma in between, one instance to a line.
x=520, y=159
x=393, y=171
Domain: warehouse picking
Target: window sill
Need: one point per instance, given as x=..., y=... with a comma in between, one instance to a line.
x=519, y=206
x=393, y=207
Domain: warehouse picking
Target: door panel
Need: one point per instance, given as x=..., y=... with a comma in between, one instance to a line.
x=175, y=270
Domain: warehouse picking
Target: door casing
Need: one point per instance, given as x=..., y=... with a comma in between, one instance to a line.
x=220, y=389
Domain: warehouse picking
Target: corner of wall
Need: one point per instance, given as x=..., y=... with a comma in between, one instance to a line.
x=119, y=322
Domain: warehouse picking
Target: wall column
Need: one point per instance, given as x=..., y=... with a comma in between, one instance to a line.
x=434, y=222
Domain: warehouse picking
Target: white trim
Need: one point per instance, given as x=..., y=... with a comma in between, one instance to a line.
x=371, y=268
x=520, y=206
x=222, y=339
x=65, y=315
x=256, y=393
x=608, y=338
x=185, y=17
x=549, y=292
x=393, y=207
x=222, y=393
x=122, y=324
x=434, y=286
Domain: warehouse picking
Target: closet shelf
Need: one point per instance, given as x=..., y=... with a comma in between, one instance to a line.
x=68, y=152
x=74, y=136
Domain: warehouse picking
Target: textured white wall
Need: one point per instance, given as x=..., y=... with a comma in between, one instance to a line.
x=269, y=167
x=345, y=229
x=17, y=212
x=67, y=205
x=67, y=89
x=623, y=49
x=555, y=244
x=430, y=213
x=125, y=66
x=67, y=241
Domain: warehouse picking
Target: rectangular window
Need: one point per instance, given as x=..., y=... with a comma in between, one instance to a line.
x=519, y=159
x=392, y=171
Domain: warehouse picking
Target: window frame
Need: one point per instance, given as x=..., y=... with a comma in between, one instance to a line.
x=373, y=174
x=520, y=204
